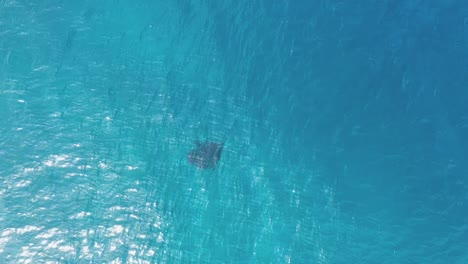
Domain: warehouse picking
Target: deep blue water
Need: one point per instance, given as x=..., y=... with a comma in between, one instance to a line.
x=345, y=127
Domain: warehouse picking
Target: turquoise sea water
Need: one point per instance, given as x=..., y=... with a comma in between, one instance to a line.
x=345, y=129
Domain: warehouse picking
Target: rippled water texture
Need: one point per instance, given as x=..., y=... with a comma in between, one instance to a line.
x=344, y=128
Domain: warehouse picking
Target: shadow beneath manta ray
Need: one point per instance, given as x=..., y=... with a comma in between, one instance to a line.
x=205, y=155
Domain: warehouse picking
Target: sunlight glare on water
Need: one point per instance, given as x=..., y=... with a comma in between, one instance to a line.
x=343, y=128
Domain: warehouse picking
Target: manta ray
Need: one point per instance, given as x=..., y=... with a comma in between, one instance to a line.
x=205, y=155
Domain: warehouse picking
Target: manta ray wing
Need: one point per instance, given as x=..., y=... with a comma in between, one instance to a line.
x=206, y=154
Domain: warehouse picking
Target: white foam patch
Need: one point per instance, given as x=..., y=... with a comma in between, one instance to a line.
x=67, y=249
x=113, y=247
x=41, y=68
x=117, y=208
x=26, y=253
x=4, y=241
x=80, y=215
x=71, y=175
x=160, y=237
x=131, y=167
x=49, y=233
x=134, y=216
x=28, y=170
x=115, y=230
x=102, y=165
x=7, y=232
x=23, y=183
x=54, y=244
x=27, y=229
x=60, y=161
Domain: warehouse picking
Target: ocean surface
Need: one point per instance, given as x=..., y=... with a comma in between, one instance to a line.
x=344, y=123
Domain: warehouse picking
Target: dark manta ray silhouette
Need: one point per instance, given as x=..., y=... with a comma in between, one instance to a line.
x=206, y=154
